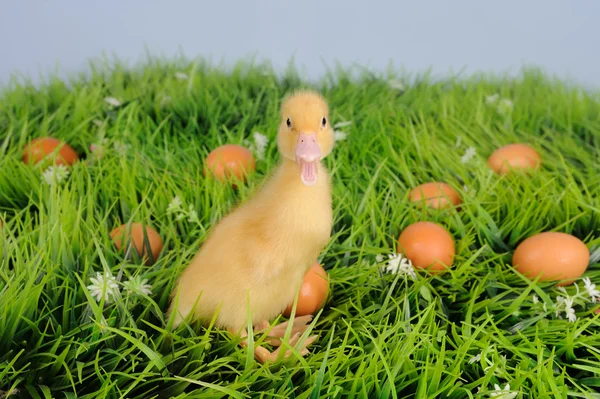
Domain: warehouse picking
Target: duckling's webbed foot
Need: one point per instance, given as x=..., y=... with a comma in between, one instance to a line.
x=264, y=355
x=299, y=325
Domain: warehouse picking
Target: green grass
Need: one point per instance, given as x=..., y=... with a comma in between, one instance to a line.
x=381, y=335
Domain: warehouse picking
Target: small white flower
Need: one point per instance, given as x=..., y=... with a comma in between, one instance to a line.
x=469, y=154
x=181, y=75
x=103, y=284
x=260, y=139
x=337, y=136
x=591, y=289
x=56, y=174
x=175, y=205
x=503, y=393
x=342, y=124
x=492, y=99
x=260, y=144
x=396, y=84
x=505, y=106
x=398, y=264
x=192, y=215
x=565, y=304
x=476, y=358
x=136, y=285
x=115, y=102
x=180, y=216
x=98, y=122
x=569, y=311
x=535, y=299
x=465, y=188
x=121, y=148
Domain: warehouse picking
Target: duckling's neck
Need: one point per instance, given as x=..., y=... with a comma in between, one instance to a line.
x=285, y=194
x=301, y=211
x=288, y=175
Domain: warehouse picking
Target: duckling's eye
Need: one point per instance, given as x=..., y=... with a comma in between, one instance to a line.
x=324, y=122
x=289, y=123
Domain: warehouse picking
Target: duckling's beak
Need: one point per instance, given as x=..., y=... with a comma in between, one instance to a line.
x=308, y=154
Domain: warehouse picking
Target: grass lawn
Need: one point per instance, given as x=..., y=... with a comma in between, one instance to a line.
x=381, y=335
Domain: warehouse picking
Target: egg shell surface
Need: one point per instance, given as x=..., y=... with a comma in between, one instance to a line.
x=40, y=148
x=230, y=161
x=313, y=292
x=514, y=157
x=427, y=245
x=135, y=236
x=436, y=195
x=552, y=256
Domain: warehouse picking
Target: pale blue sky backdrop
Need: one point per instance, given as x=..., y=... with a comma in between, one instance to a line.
x=563, y=37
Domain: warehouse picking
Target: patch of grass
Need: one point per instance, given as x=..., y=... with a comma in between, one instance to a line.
x=453, y=335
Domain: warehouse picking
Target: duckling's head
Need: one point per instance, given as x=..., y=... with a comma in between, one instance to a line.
x=305, y=135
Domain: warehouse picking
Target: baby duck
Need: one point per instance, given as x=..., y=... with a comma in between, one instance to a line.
x=256, y=257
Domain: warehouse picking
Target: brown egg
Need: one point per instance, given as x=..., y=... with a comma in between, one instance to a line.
x=514, y=157
x=230, y=161
x=435, y=194
x=313, y=292
x=136, y=236
x=40, y=148
x=552, y=256
x=428, y=246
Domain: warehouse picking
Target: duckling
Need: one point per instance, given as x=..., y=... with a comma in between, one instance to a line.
x=256, y=257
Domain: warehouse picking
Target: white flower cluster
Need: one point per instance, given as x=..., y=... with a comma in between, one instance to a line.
x=565, y=304
x=396, y=84
x=503, y=393
x=97, y=149
x=176, y=207
x=112, y=101
x=499, y=367
x=181, y=76
x=470, y=152
x=504, y=106
x=55, y=174
x=259, y=144
x=106, y=286
x=396, y=263
x=339, y=135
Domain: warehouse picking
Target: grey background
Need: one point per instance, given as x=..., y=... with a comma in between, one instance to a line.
x=563, y=37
